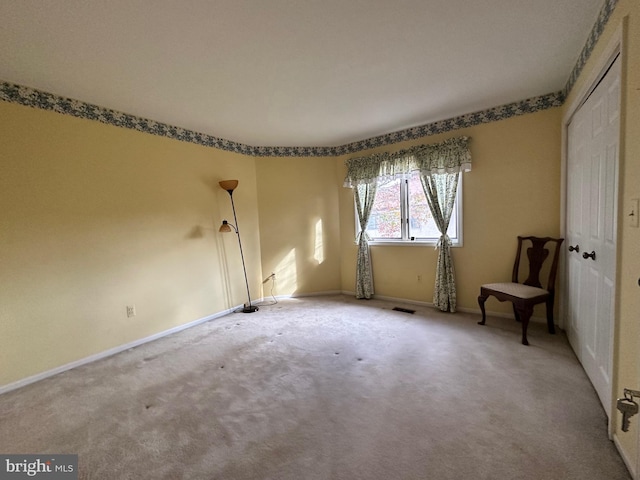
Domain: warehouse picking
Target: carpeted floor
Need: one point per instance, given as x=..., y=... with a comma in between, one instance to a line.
x=325, y=388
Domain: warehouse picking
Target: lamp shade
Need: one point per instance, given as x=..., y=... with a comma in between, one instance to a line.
x=224, y=228
x=229, y=185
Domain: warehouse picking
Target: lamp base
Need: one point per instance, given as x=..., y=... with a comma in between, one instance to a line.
x=249, y=309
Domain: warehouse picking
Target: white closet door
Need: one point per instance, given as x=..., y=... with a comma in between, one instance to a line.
x=592, y=168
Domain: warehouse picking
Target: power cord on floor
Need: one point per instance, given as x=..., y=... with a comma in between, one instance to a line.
x=271, y=277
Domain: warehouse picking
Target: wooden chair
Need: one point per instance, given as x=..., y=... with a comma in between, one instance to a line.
x=525, y=295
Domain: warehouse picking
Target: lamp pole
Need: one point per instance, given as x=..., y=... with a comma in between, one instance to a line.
x=248, y=308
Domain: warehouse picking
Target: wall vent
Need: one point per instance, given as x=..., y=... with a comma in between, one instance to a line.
x=405, y=310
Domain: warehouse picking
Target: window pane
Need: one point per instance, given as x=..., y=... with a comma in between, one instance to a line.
x=452, y=231
x=385, y=220
x=421, y=223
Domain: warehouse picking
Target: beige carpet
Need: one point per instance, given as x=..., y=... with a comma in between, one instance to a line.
x=325, y=388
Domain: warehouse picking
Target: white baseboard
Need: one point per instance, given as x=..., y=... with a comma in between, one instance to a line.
x=92, y=358
x=316, y=294
x=403, y=300
x=500, y=314
x=388, y=299
x=121, y=348
x=107, y=353
x=310, y=294
x=459, y=309
x=625, y=458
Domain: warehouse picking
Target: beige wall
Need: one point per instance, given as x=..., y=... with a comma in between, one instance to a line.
x=95, y=218
x=627, y=335
x=299, y=228
x=513, y=189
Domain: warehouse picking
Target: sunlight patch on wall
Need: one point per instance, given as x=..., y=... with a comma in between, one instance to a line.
x=318, y=247
x=287, y=273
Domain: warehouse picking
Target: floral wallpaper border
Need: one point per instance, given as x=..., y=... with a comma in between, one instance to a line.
x=31, y=97
x=603, y=17
x=10, y=92
x=503, y=112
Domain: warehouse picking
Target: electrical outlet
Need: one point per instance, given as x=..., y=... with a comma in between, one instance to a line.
x=633, y=216
x=131, y=311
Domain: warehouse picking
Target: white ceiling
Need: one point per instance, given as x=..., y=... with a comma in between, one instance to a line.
x=294, y=72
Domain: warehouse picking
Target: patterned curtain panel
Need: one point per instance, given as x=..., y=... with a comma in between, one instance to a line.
x=440, y=190
x=365, y=195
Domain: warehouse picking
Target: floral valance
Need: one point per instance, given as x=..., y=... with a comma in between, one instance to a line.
x=449, y=156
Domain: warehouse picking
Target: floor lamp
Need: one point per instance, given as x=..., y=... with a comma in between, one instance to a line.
x=230, y=186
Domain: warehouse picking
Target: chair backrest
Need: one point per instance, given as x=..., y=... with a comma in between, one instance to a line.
x=537, y=254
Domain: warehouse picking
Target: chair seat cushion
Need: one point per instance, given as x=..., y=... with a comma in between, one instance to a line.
x=516, y=289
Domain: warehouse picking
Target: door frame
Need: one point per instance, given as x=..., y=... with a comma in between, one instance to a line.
x=603, y=61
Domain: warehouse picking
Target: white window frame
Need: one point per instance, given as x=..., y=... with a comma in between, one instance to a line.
x=404, y=209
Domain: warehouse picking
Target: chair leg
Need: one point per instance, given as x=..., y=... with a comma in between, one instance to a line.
x=481, y=301
x=516, y=314
x=525, y=315
x=550, y=325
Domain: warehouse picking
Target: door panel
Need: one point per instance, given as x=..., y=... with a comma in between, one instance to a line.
x=577, y=147
x=594, y=216
x=588, y=317
x=610, y=195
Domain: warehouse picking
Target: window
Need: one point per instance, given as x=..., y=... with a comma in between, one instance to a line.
x=401, y=213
